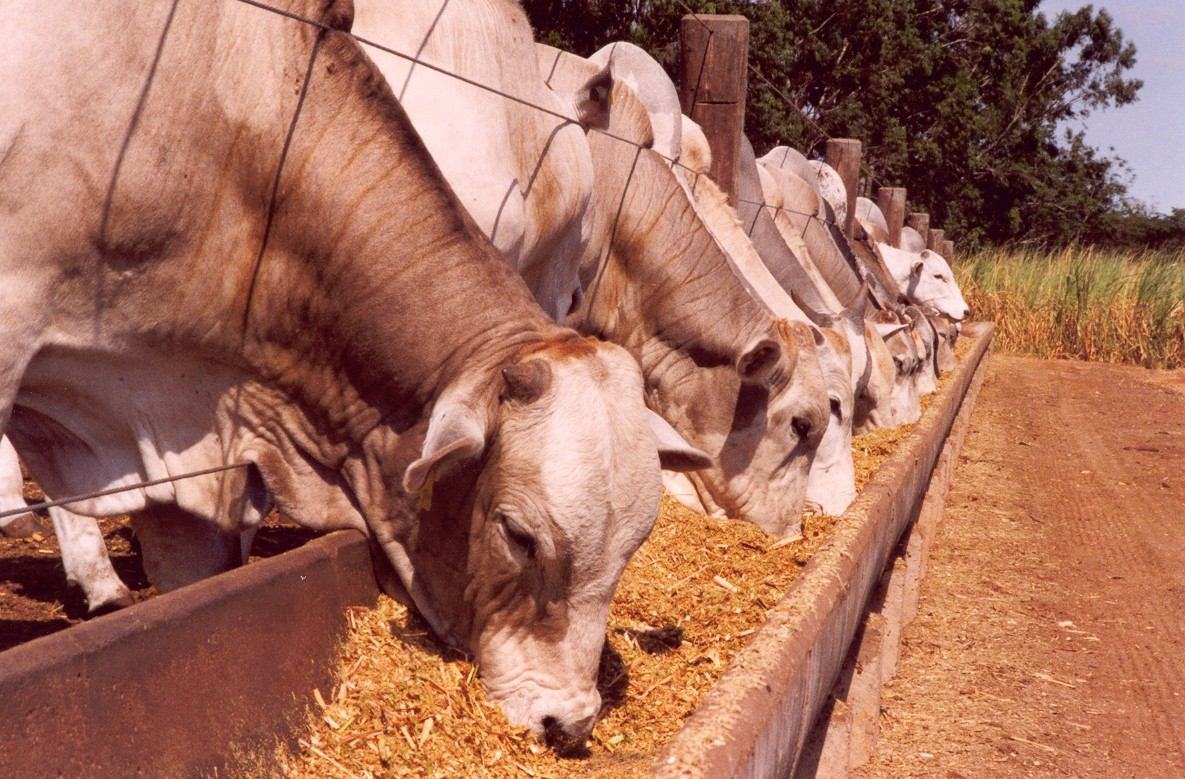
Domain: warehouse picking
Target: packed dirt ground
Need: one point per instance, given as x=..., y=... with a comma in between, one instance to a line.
x=1050, y=639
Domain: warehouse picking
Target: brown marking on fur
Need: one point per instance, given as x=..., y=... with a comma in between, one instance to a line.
x=563, y=348
x=795, y=338
x=838, y=342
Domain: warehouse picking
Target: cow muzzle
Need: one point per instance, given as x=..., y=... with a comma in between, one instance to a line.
x=564, y=719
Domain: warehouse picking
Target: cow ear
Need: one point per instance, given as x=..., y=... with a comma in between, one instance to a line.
x=455, y=434
x=916, y=270
x=674, y=453
x=593, y=100
x=758, y=362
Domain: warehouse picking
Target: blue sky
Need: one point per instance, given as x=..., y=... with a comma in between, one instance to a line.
x=1149, y=134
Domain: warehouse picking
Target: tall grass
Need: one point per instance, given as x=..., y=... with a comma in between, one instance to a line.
x=1082, y=303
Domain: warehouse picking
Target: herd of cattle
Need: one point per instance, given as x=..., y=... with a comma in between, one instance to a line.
x=484, y=331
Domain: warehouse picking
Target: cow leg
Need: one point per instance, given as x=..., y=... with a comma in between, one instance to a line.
x=12, y=495
x=84, y=556
x=179, y=549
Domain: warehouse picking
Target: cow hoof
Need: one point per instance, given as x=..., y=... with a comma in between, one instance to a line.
x=106, y=605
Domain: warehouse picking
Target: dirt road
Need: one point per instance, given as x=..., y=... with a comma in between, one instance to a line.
x=1050, y=636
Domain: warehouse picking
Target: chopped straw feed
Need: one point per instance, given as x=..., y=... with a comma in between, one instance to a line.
x=688, y=602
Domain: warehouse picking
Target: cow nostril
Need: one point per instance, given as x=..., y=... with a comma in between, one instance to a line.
x=802, y=426
x=564, y=743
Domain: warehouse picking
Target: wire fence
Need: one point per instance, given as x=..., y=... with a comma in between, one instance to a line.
x=420, y=62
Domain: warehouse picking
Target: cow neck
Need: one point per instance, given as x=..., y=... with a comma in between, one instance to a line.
x=377, y=291
x=784, y=263
x=666, y=279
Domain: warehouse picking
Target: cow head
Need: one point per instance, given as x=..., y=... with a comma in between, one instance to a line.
x=905, y=405
x=926, y=278
x=874, y=406
x=534, y=489
x=762, y=417
x=926, y=340
x=832, y=484
x=947, y=334
x=844, y=360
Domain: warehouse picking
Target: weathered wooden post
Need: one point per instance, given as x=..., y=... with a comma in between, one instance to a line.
x=948, y=249
x=891, y=201
x=919, y=221
x=934, y=241
x=843, y=154
x=714, y=52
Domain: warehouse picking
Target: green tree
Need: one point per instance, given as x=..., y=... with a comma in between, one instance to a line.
x=962, y=101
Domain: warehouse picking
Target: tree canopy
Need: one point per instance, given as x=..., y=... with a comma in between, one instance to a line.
x=965, y=102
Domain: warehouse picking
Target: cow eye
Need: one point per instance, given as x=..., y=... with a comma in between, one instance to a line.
x=837, y=408
x=517, y=536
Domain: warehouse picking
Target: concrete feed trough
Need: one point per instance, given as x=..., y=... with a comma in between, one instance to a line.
x=189, y=682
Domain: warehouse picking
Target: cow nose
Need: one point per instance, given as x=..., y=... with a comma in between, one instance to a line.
x=568, y=739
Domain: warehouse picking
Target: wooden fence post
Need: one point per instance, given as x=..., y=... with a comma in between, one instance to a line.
x=714, y=59
x=919, y=221
x=934, y=242
x=891, y=201
x=948, y=250
x=843, y=154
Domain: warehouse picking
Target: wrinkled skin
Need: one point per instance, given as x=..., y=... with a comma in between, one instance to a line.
x=317, y=341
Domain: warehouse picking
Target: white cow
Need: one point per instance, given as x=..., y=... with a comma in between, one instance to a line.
x=667, y=290
x=827, y=182
x=925, y=278
x=831, y=486
x=524, y=175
